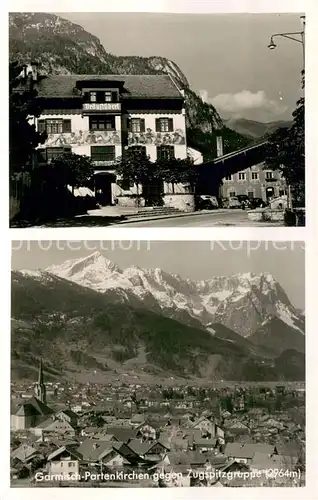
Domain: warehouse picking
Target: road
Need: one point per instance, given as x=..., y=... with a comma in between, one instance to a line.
x=218, y=218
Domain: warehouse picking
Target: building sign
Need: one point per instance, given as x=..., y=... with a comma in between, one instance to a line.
x=101, y=106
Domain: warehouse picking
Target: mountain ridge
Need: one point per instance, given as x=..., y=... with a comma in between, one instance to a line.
x=243, y=302
x=81, y=333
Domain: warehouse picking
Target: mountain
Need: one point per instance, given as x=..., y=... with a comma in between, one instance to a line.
x=242, y=302
x=82, y=334
x=62, y=47
x=275, y=335
x=254, y=129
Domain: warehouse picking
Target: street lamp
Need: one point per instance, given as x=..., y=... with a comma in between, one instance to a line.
x=296, y=36
x=272, y=45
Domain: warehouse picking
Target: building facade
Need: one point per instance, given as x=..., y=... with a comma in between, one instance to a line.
x=255, y=182
x=102, y=115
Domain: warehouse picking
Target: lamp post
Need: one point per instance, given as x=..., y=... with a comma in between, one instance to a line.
x=296, y=36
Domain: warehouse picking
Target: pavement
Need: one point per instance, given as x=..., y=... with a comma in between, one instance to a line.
x=204, y=218
x=112, y=217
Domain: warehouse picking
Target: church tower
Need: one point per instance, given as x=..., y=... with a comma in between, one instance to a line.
x=40, y=390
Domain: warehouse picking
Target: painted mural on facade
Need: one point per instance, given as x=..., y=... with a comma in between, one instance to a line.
x=84, y=138
x=156, y=138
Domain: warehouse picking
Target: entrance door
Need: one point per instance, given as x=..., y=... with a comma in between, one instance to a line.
x=103, y=188
x=269, y=192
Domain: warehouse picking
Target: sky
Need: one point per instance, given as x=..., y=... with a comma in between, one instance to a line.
x=197, y=260
x=224, y=56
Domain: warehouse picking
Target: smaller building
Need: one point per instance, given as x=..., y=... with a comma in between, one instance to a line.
x=255, y=182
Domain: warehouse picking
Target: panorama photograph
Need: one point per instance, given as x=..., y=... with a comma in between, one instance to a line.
x=156, y=120
x=135, y=364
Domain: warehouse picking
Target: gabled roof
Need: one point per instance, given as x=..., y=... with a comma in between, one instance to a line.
x=69, y=413
x=23, y=452
x=265, y=462
x=69, y=449
x=92, y=449
x=134, y=86
x=32, y=406
x=122, y=434
x=238, y=450
x=42, y=408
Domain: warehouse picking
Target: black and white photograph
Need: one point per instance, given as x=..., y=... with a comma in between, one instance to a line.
x=156, y=119
x=149, y=364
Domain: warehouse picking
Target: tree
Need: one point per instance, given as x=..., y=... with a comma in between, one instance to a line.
x=135, y=167
x=178, y=171
x=23, y=137
x=71, y=170
x=286, y=153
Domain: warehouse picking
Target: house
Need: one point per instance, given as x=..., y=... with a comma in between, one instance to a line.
x=64, y=463
x=54, y=427
x=121, y=433
x=69, y=416
x=137, y=419
x=25, y=453
x=102, y=115
x=209, y=428
x=265, y=462
x=255, y=182
x=203, y=445
x=244, y=453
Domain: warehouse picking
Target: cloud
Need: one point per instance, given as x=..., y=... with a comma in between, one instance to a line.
x=244, y=101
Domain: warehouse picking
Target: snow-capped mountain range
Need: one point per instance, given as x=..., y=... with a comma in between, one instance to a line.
x=243, y=302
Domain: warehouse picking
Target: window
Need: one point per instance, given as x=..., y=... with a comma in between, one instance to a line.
x=137, y=125
x=102, y=123
x=241, y=176
x=228, y=178
x=250, y=194
x=53, y=153
x=254, y=176
x=269, y=175
x=232, y=193
x=103, y=153
x=164, y=124
x=139, y=149
x=101, y=96
x=71, y=464
x=282, y=192
x=55, y=126
x=165, y=152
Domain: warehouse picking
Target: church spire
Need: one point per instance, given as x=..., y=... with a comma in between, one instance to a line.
x=40, y=390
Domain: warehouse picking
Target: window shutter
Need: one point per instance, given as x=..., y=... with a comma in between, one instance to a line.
x=159, y=155
x=67, y=127
x=114, y=97
x=142, y=125
x=41, y=126
x=157, y=124
x=170, y=125
x=129, y=124
x=86, y=97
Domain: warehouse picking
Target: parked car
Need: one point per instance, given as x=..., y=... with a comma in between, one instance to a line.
x=257, y=203
x=234, y=202
x=206, y=201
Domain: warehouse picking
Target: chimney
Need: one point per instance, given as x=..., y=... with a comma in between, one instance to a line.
x=219, y=145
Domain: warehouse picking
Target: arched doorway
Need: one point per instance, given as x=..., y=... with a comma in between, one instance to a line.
x=103, y=187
